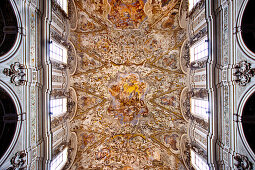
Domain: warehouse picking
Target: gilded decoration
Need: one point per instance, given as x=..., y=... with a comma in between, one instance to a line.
x=128, y=84
x=127, y=13
x=128, y=99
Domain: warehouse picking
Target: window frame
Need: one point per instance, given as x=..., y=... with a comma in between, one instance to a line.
x=63, y=4
x=192, y=4
x=56, y=164
x=199, y=50
x=56, y=54
x=58, y=107
x=200, y=111
x=197, y=161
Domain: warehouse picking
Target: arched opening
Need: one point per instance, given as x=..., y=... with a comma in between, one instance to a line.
x=8, y=27
x=248, y=121
x=248, y=25
x=8, y=120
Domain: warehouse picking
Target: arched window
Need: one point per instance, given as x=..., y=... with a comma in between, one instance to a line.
x=199, y=108
x=8, y=27
x=8, y=121
x=248, y=121
x=199, y=50
x=197, y=161
x=58, y=52
x=60, y=160
x=58, y=107
x=248, y=26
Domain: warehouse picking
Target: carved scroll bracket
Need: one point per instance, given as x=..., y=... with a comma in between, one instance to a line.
x=243, y=73
x=17, y=73
x=18, y=161
x=242, y=162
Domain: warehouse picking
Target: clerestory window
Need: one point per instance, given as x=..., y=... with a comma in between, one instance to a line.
x=58, y=107
x=60, y=160
x=63, y=4
x=199, y=108
x=197, y=161
x=192, y=3
x=199, y=50
x=58, y=52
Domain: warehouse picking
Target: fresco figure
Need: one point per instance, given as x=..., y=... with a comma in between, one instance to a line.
x=128, y=99
x=171, y=140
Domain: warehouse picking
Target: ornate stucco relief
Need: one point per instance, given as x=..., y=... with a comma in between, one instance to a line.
x=128, y=83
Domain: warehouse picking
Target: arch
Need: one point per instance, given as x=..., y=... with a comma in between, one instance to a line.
x=14, y=106
x=10, y=32
x=242, y=128
x=185, y=57
x=73, y=96
x=72, y=58
x=185, y=104
x=245, y=34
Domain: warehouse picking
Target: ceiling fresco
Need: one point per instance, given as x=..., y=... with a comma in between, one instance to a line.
x=128, y=82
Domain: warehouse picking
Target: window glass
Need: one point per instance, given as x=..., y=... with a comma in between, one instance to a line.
x=59, y=161
x=58, y=52
x=58, y=106
x=199, y=108
x=192, y=3
x=197, y=162
x=63, y=4
x=199, y=50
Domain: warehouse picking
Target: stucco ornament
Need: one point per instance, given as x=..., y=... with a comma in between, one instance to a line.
x=243, y=73
x=128, y=83
x=17, y=73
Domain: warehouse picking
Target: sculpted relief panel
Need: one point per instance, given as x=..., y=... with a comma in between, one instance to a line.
x=128, y=83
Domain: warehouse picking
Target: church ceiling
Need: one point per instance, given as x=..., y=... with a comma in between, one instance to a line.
x=128, y=82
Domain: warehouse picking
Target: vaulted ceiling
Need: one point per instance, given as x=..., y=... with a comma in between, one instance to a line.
x=129, y=82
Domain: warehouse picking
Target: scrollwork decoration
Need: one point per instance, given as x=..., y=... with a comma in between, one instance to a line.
x=18, y=161
x=243, y=73
x=242, y=162
x=17, y=73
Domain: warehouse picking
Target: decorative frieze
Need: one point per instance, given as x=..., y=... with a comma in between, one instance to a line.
x=59, y=39
x=243, y=73
x=226, y=116
x=59, y=93
x=199, y=21
x=58, y=10
x=225, y=36
x=17, y=73
x=59, y=66
x=200, y=5
x=198, y=64
x=199, y=78
x=199, y=150
x=59, y=148
x=198, y=36
x=200, y=122
x=199, y=93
